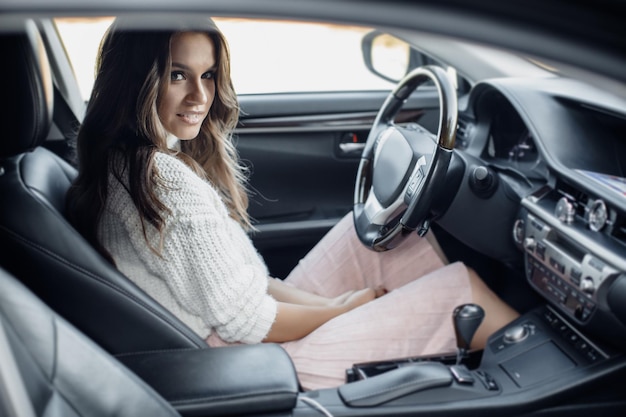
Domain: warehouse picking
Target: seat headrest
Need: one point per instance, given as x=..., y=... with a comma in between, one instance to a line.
x=26, y=89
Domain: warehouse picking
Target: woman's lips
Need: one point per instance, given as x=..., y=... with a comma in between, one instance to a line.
x=192, y=118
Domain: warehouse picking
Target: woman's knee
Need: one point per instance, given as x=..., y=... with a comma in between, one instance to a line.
x=497, y=312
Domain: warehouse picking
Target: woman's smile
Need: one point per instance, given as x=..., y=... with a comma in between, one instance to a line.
x=192, y=118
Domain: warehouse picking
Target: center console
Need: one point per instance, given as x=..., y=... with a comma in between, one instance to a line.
x=563, y=358
x=540, y=361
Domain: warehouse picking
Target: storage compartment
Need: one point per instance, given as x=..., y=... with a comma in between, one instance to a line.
x=537, y=364
x=246, y=379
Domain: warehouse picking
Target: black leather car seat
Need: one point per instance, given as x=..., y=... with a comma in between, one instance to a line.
x=48, y=368
x=37, y=244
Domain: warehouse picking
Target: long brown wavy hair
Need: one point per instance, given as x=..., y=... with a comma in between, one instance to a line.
x=122, y=132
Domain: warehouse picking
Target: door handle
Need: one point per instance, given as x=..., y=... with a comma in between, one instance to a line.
x=351, y=149
x=351, y=145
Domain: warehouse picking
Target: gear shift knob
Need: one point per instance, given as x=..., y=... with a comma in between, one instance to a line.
x=466, y=319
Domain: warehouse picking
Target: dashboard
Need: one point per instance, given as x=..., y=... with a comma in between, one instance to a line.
x=557, y=154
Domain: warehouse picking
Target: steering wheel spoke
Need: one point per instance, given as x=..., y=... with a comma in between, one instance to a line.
x=402, y=168
x=415, y=184
x=379, y=215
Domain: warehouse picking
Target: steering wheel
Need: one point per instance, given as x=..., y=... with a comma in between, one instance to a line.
x=403, y=168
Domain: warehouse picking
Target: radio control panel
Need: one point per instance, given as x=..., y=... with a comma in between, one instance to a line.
x=562, y=271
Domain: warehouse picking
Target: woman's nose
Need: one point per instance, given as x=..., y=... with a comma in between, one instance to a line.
x=198, y=93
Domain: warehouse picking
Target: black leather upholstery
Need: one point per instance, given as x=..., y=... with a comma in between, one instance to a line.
x=64, y=373
x=396, y=384
x=240, y=380
x=27, y=91
x=37, y=244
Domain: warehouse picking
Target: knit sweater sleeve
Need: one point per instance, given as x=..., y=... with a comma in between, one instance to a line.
x=207, y=260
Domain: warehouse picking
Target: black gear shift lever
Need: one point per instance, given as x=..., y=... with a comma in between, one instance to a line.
x=466, y=319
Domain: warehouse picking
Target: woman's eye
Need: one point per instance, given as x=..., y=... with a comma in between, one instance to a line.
x=208, y=75
x=177, y=76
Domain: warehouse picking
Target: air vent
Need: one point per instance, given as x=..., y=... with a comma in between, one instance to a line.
x=616, y=226
x=463, y=133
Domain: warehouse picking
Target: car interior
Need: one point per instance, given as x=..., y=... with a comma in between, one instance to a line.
x=79, y=338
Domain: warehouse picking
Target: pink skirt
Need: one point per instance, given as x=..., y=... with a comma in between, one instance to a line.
x=414, y=318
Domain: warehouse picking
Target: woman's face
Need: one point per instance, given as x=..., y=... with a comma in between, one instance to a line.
x=189, y=94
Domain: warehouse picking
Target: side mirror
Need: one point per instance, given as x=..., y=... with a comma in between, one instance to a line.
x=391, y=59
x=387, y=56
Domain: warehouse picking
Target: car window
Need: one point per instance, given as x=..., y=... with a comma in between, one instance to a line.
x=268, y=56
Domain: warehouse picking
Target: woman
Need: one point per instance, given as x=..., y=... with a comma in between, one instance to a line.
x=161, y=194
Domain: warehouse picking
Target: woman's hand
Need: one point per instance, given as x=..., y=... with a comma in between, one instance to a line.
x=294, y=321
x=288, y=294
x=355, y=298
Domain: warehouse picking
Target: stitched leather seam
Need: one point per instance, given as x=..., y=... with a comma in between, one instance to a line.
x=157, y=351
x=192, y=400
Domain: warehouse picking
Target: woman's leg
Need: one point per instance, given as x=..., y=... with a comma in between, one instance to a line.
x=413, y=320
x=497, y=312
x=340, y=263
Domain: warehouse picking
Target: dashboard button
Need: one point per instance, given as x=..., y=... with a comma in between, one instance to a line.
x=578, y=312
x=557, y=265
x=541, y=251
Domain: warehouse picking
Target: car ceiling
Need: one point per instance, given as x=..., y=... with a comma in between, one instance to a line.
x=587, y=35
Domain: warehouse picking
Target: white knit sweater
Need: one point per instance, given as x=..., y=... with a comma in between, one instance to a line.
x=209, y=275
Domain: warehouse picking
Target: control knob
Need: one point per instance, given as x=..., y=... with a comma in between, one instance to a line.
x=565, y=210
x=516, y=334
x=587, y=285
x=483, y=182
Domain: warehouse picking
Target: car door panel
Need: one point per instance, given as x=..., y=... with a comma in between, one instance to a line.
x=303, y=152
